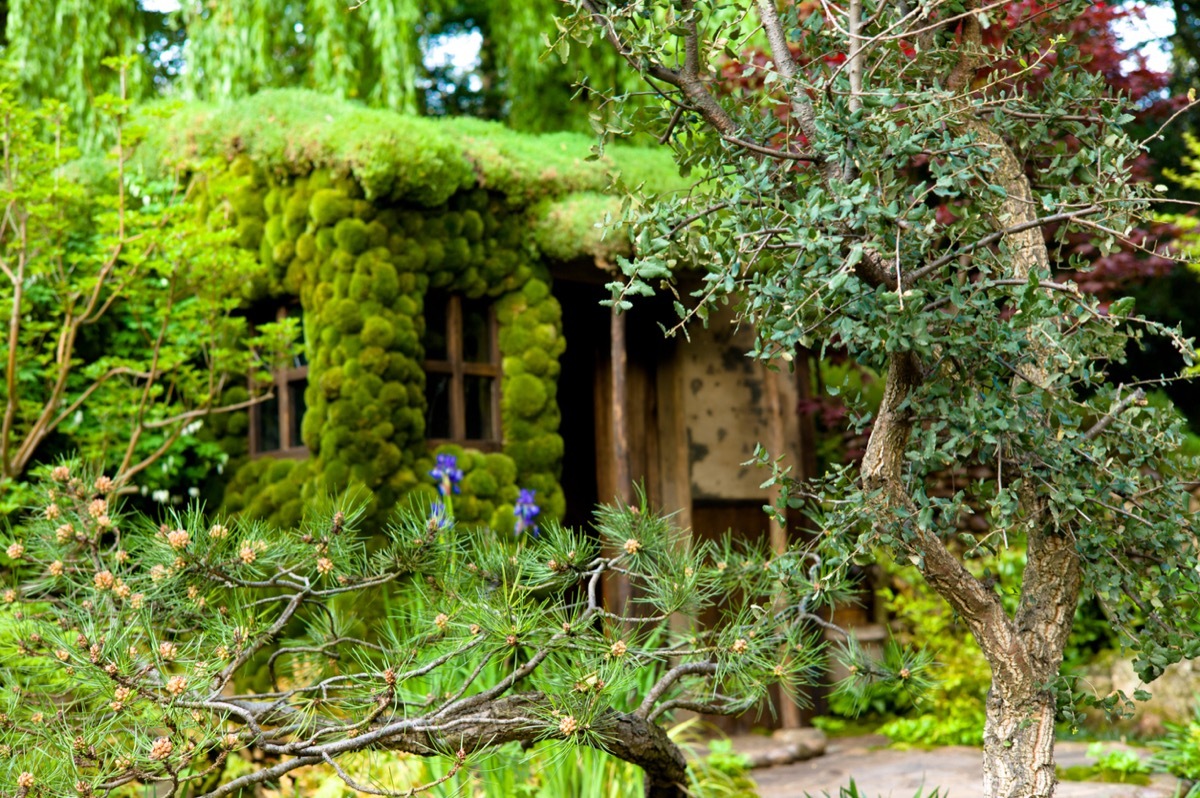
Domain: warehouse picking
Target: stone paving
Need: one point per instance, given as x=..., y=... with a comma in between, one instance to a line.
x=881, y=771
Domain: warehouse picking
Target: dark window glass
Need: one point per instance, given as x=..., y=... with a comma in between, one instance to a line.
x=477, y=338
x=478, y=392
x=296, y=397
x=435, y=327
x=437, y=400
x=268, y=425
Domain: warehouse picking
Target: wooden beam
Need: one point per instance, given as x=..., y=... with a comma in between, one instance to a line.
x=454, y=351
x=616, y=587
x=674, y=468
x=807, y=422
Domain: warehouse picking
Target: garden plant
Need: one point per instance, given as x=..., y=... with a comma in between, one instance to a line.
x=122, y=337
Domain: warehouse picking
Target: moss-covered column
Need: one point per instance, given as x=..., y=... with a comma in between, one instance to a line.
x=361, y=290
x=531, y=341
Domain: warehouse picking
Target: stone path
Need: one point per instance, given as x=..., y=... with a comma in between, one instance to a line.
x=889, y=773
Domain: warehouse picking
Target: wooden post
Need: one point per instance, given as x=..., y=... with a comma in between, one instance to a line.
x=674, y=471
x=616, y=587
x=807, y=421
x=789, y=713
x=620, y=410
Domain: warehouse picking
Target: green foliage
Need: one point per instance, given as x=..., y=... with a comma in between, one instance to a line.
x=60, y=50
x=1178, y=752
x=1119, y=764
x=721, y=773
x=269, y=489
x=576, y=226
x=369, y=54
x=543, y=92
x=824, y=228
x=157, y=652
x=950, y=712
x=946, y=706
x=851, y=790
x=122, y=332
x=1113, y=766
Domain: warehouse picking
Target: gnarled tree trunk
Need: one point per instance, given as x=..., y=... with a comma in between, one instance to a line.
x=1018, y=745
x=1024, y=650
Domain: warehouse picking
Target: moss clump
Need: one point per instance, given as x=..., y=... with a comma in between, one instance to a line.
x=351, y=235
x=487, y=480
x=329, y=206
x=270, y=489
x=249, y=233
x=378, y=332
x=531, y=331
x=524, y=396
x=576, y=227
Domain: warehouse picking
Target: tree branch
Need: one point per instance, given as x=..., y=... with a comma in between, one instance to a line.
x=1138, y=397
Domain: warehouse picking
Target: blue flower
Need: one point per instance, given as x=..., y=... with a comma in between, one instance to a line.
x=527, y=512
x=447, y=473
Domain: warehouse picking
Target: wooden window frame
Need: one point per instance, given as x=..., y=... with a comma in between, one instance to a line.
x=458, y=368
x=281, y=380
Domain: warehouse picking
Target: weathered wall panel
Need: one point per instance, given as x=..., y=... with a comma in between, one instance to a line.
x=726, y=409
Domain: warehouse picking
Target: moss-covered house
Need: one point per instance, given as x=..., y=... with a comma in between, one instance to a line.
x=448, y=275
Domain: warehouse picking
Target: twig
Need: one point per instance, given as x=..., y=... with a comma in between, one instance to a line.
x=1135, y=398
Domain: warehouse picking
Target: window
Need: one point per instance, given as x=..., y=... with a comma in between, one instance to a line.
x=275, y=422
x=462, y=372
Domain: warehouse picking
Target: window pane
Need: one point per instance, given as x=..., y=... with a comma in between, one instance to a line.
x=268, y=425
x=437, y=399
x=296, y=397
x=435, y=327
x=300, y=358
x=479, y=408
x=477, y=333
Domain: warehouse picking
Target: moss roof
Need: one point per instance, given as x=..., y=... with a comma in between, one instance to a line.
x=415, y=159
x=569, y=227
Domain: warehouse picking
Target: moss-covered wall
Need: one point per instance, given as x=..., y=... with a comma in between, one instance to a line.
x=361, y=270
x=359, y=213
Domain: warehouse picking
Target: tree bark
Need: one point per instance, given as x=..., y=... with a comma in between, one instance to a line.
x=512, y=719
x=1018, y=746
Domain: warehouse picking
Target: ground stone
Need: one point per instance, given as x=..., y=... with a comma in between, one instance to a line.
x=810, y=742
x=955, y=770
x=783, y=747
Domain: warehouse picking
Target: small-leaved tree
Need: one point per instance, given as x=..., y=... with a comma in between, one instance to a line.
x=822, y=168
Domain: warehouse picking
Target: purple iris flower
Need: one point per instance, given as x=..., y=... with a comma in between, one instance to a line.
x=526, y=512
x=447, y=473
